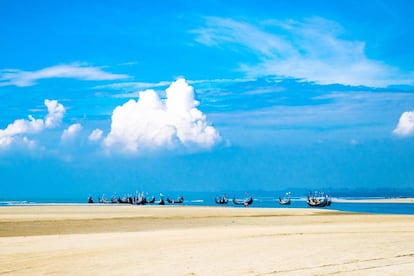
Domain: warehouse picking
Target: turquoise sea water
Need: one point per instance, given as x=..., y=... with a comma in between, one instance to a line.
x=207, y=199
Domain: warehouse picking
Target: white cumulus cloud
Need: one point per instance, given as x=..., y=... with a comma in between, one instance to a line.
x=95, y=135
x=78, y=71
x=71, y=132
x=152, y=123
x=28, y=142
x=55, y=113
x=18, y=129
x=405, y=125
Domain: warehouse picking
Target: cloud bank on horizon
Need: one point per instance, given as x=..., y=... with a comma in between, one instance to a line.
x=311, y=50
x=150, y=123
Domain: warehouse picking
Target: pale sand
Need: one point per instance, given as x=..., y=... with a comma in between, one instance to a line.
x=136, y=240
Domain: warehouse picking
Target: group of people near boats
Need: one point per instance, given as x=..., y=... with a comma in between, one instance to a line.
x=138, y=199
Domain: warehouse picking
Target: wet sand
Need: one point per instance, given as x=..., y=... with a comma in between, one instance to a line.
x=153, y=240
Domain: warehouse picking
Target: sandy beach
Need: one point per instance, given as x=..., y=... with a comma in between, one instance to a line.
x=153, y=240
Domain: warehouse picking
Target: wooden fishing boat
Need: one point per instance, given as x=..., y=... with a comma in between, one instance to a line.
x=90, y=199
x=284, y=201
x=103, y=200
x=221, y=200
x=246, y=202
x=318, y=201
x=152, y=200
x=125, y=200
x=179, y=200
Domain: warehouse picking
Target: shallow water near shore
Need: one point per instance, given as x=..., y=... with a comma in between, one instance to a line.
x=360, y=205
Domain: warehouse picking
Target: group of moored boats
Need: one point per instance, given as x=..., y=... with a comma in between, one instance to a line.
x=224, y=200
x=314, y=199
x=138, y=199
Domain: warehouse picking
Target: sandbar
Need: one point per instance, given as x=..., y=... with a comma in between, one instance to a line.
x=183, y=240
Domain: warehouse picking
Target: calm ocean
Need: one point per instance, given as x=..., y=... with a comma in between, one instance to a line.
x=207, y=199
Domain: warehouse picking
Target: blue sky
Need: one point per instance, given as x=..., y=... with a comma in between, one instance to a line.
x=118, y=96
